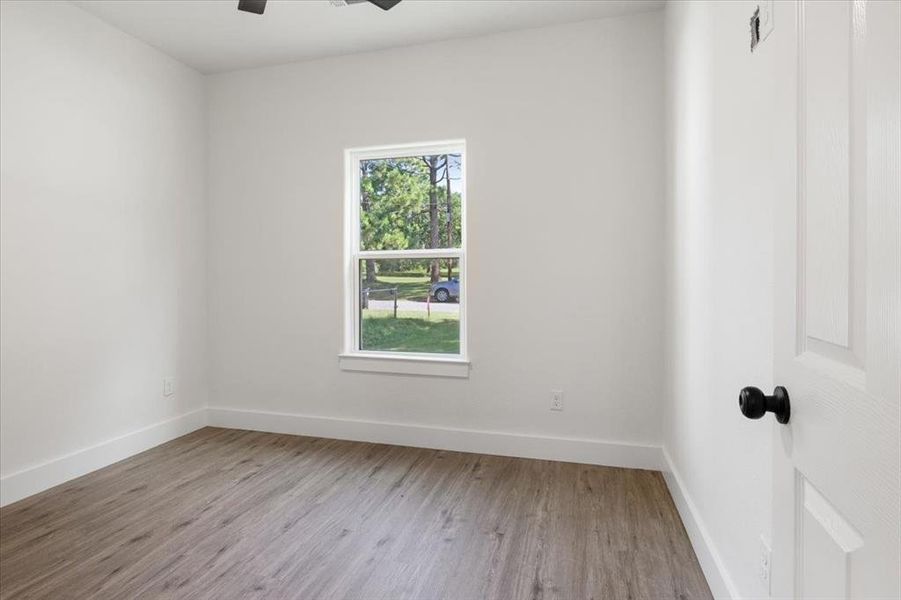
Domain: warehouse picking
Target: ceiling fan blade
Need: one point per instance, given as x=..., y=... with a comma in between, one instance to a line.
x=252, y=6
x=385, y=4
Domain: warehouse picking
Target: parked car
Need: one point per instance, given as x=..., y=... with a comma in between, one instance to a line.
x=445, y=291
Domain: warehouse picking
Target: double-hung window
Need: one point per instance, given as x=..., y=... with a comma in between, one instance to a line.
x=405, y=256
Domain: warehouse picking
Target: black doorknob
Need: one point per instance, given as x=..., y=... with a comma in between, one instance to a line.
x=754, y=403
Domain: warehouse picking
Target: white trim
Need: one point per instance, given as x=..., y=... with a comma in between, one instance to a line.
x=24, y=483
x=415, y=364
x=578, y=450
x=353, y=254
x=408, y=150
x=721, y=585
x=40, y=477
x=410, y=254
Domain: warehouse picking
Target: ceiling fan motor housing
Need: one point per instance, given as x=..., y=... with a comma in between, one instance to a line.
x=258, y=6
x=383, y=4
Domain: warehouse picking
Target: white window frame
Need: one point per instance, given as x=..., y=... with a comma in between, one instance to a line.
x=411, y=363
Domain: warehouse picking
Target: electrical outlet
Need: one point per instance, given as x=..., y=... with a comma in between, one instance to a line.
x=763, y=568
x=556, y=399
x=168, y=386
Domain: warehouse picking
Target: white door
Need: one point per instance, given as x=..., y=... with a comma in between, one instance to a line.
x=838, y=300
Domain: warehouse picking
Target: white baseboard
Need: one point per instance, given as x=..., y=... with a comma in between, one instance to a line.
x=24, y=483
x=587, y=451
x=721, y=585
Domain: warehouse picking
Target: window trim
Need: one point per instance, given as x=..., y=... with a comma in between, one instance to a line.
x=351, y=357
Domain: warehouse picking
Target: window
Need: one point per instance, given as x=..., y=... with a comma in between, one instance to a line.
x=405, y=257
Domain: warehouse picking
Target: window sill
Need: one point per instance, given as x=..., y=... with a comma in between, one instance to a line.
x=405, y=365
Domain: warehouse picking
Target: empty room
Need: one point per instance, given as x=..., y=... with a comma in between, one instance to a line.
x=450, y=299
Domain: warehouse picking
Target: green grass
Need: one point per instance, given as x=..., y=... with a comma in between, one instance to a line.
x=411, y=332
x=412, y=285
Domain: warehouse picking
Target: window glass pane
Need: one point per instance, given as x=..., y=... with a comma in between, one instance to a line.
x=411, y=203
x=410, y=305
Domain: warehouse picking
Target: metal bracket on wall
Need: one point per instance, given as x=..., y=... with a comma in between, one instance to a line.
x=755, y=28
x=761, y=23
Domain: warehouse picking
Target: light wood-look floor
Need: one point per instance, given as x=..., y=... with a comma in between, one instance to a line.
x=236, y=514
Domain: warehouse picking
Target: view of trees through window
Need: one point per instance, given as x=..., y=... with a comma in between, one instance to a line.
x=409, y=303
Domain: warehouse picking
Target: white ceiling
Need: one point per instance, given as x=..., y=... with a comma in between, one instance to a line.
x=213, y=36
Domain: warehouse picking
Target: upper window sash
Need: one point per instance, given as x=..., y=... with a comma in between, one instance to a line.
x=353, y=160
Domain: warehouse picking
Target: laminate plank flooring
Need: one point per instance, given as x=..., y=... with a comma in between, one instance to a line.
x=225, y=514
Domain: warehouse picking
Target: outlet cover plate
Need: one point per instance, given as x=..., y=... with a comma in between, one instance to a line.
x=556, y=399
x=766, y=556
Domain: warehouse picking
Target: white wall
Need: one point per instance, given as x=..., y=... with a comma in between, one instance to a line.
x=102, y=226
x=720, y=275
x=565, y=138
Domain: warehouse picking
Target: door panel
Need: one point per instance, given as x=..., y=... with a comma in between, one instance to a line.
x=827, y=541
x=837, y=474
x=825, y=175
